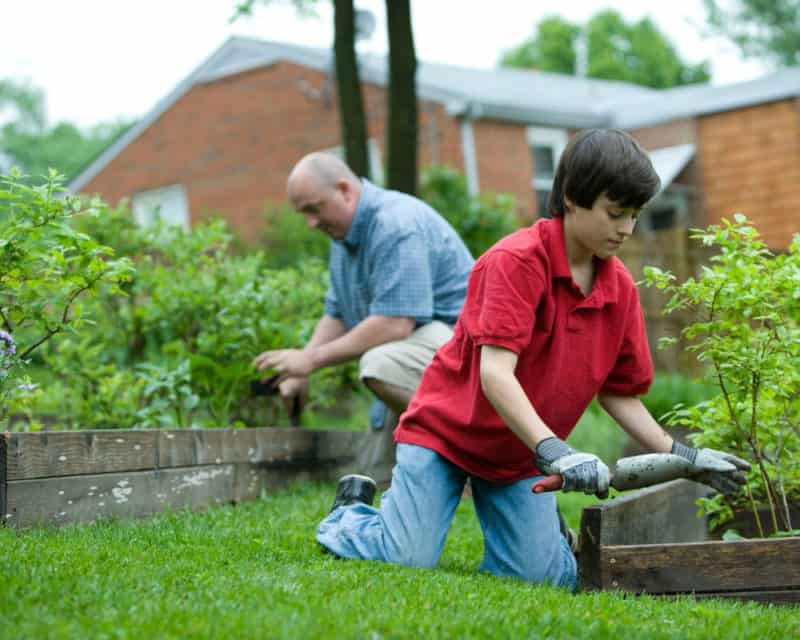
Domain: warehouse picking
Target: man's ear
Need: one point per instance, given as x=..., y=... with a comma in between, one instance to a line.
x=345, y=187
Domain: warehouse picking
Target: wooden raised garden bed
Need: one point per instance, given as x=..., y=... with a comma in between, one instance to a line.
x=80, y=476
x=651, y=541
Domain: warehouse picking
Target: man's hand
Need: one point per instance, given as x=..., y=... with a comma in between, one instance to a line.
x=289, y=363
x=294, y=389
x=717, y=469
x=580, y=471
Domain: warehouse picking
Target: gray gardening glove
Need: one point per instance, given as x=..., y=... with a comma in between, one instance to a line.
x=580, y=471
x=721, y=471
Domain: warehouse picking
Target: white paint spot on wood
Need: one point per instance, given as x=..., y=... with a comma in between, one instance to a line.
x=122, y=492
x=101, y=504
x=251, y=452
x=170, y=436
x=123, y=483
x=61, y=493
x=69, y=501
x=119, y=441
x=92, y=488
x=137, y=447
x=218, y=460
x=199, y=478
x=9, y=516
x=62, y=458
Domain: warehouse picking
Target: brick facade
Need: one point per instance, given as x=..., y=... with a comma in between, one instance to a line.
x=751, y=164
x=233, y=141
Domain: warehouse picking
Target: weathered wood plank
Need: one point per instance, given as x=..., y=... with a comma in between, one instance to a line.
x=764, y=564
x=138, y=493
x=3, y=475
x=338, y=446
x=663, y=513
x=189, y=447
x=48, y=454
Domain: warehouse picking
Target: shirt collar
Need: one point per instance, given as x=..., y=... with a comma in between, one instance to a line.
x=367, y=204
x=604, y=289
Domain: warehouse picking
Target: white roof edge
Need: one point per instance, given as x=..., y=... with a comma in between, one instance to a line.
x=670, y=161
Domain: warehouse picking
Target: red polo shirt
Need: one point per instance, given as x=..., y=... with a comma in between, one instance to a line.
x=521, y=296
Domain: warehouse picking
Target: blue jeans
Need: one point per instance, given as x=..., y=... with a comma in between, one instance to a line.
x=520, y=529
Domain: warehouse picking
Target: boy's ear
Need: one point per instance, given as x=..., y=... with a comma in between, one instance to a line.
x=569, y=205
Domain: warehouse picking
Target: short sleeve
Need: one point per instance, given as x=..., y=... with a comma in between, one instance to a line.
x=401, y=283
x=502, y=298
x=632, y=373
x=332, y=304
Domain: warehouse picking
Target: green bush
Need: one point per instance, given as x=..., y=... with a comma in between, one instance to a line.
x=286, y=239
x=747, y=302
x=671, y=389
x=177, y=350
x=49, y=272
x=480, y=221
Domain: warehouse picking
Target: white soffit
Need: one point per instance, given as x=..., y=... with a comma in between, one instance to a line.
x=670, y=161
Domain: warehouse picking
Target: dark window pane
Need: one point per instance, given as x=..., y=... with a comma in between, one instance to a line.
x=662, y=218
x=542, y=196
x=544, y=162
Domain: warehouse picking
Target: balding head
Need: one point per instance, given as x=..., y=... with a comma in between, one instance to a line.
x=326, y=191
x=323, y=168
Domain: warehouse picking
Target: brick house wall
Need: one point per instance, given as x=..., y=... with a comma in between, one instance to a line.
x=232, y=142
x=751, y=164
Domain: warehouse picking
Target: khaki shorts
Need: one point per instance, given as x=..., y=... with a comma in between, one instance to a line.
x=402, y=362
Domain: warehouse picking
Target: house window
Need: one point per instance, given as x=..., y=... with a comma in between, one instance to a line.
x=374, y=158
x=168, y=204
x=667, y=210
x=546, y=147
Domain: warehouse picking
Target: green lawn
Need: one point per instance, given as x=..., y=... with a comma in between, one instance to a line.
x=254, y=571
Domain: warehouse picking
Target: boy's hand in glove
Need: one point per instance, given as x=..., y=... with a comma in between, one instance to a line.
x=719, y=470
x=580, y=471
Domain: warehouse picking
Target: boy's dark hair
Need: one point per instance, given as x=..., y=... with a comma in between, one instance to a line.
x=598, y=161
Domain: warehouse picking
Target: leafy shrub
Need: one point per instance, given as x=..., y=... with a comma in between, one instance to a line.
x=48, y=273
x=480, y=221
x=182, y=341
x=669, y=389
x=286, y=239
x=747, y=302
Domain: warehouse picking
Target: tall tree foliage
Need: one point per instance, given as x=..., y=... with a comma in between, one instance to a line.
x=616, y=50
x=761, y=28
x=29, y=143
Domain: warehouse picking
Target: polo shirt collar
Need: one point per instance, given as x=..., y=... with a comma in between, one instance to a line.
x=367, y=204
x=604, y=289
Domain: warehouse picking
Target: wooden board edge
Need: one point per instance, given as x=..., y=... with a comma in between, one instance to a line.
x=3, y=477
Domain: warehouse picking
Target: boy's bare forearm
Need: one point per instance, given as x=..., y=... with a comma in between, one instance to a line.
x=634, y=418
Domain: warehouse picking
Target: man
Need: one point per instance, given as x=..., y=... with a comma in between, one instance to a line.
x=398, y=279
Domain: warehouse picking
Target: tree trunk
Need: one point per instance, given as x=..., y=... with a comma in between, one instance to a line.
x=351, y=104
x=401, y=143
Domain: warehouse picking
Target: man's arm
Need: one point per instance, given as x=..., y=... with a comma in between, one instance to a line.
x=331, y=345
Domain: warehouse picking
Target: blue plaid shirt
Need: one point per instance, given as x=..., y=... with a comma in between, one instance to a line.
x=399, y=258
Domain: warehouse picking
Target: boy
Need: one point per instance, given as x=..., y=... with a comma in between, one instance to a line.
x=551, y=320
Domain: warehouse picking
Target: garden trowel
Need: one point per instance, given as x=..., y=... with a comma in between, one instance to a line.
x=634, y=472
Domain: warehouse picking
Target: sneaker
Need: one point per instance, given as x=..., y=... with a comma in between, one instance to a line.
x=354, y=488
x=569, y=534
